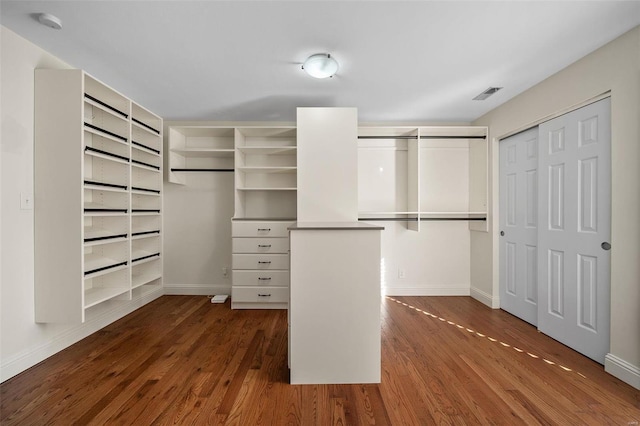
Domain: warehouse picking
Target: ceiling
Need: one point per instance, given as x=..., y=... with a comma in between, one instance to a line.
x=415, y=61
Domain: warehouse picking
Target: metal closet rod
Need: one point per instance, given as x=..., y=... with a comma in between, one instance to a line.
x=422, y=137
x=415, y=219
x=203, y=170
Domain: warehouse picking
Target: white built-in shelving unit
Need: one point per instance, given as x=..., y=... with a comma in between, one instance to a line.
x=264, y=162
x=199, y=149
x=265, y=205
x=417, y=174
x=265, y=173
x=98, y=196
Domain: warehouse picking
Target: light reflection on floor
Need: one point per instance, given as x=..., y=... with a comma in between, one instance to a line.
x=491, y=339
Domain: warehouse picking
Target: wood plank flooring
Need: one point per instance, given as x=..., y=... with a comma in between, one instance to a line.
x=445, y=360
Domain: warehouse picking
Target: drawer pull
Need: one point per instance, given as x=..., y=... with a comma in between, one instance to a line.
x=264, y=229
x=264, y=278
x=264, y=261
x=264, y=295
x=264, y=245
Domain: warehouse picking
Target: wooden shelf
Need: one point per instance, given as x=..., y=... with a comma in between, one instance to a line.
x=268, y=150
x=272, y=169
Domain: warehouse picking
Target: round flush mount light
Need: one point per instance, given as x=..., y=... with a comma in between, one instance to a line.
x=320, y=65
x=50, y=21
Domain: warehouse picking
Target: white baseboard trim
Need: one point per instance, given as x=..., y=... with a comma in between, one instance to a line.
x=491, y=301
x=29, y=357
x=622, y=369
x=197, y=289
x=462, y=290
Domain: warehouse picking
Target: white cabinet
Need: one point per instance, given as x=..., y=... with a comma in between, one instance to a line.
x=98, y=199
x=260, y=264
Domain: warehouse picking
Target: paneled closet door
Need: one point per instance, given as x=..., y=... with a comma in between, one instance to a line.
x=519, y=225
x=575, y=229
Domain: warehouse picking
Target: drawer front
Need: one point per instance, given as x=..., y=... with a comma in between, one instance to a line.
x=260, y=261
x=261, y=245
x=260, y=229
x=260, y=294
x=261, y=278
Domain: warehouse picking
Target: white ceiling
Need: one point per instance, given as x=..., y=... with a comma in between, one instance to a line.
x=415, y=61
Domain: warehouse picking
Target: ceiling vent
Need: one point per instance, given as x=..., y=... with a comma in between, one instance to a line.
x=484, y=95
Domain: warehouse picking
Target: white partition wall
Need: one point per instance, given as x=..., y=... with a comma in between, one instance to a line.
x=327, y=164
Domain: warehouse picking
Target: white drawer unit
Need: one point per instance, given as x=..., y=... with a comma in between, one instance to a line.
x=268, y=278
x=260, y=263
x=262, y=295
x=260, y=229
x=260, y=245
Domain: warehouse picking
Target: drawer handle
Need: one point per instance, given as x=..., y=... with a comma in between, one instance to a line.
x=264, y=245
x=264, y=229
x=264, y=278
x=264, y=295
x=264, y=261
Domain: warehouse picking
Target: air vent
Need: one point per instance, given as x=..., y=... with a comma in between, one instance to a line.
x=484, y=95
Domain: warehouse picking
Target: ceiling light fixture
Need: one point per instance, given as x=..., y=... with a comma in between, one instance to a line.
x=320, y=65
x=50, y=21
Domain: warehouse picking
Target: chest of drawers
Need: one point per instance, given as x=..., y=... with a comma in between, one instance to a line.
x=260, y=264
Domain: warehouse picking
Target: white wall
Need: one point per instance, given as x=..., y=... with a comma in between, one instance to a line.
x=24, y=343
x=616, y=68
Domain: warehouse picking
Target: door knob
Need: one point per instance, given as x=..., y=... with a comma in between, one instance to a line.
x=502, y=233
x=605, y=246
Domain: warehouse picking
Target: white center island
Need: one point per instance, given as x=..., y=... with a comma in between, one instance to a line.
x=334, y=304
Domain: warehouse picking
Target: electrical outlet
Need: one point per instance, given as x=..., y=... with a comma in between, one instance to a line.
x=26, y=201
x=401, y=274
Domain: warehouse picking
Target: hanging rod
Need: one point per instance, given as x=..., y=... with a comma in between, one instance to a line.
x=423, y=137
x=415, y=219
x=203, y=170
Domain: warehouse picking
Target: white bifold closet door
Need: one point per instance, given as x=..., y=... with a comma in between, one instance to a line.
x=573, y=228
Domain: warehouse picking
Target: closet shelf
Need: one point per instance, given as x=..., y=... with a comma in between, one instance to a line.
x=105, y=107
x=96, y=265
x=95, y=152
x=102, y=186
x=139, y=124
x=145, y=191
x=145, y=234
x=104, y=133
x=204, y=152
x=102, y=236
x=268, y=150
x=266, y=170
x=267, y=189
x=144, y=148
x=100, y=208
x=96, y=295
x=142, y=256
x=143, y=165
x=138, y=280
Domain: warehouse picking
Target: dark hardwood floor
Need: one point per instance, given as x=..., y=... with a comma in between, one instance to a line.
x=445, y=360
